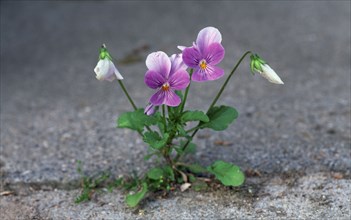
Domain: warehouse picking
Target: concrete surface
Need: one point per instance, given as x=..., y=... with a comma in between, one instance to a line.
x=54, y=112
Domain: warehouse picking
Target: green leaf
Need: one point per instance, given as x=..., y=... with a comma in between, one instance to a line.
x=194, y=116
x=220, y=117
x=169, y=172
x=148, y=156
x=136, y=120
x=192, y=178
x=84, y=196
x=196, y=168
x=155, y=173
x=199, y=186
x=155, y=140
x=161, y=127
x=180, y=94
x=190, y=149
x=227, y=173
x=181, y=131
x=133, y=200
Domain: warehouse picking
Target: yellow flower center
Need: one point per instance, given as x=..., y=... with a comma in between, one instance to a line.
x=165, y=87
x=203, y=64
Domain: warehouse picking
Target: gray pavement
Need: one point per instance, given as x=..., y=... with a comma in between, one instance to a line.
x=54, y=112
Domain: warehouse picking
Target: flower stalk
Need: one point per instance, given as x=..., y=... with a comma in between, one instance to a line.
x=213, y=103
x=127, y=94
x=227, y=80
x=186, y=92
x=164, y=116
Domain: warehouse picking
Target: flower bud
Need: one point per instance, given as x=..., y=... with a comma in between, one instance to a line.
x=260, y=66
x=105, y=69
x=150, y=109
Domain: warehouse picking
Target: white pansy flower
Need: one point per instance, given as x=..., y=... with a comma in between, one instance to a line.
x=105, y=69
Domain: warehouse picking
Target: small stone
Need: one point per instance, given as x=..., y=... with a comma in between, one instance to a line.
x=337, y=176
x=184, y=186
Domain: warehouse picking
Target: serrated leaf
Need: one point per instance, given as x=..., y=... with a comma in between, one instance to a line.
x=155, y=140
x=194, y=116
x=136, y=120
x=190, y=149
x=133, y=200
x=220, y=117
x=161, y=127
x=227, y=173
x=181, y=131
x=155, y=173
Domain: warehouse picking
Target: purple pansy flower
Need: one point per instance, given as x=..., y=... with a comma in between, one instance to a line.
x=166, y=74
x=205, y=53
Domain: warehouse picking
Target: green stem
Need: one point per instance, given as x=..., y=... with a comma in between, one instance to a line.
x=127, y=94
x=214, y=101
x=193, y=129
x=186, y=92
x=131, y=102
x=164, y=115
x=129, y=98
x=227, y=80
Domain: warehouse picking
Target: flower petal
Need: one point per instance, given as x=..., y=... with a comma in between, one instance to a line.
x=159, y=62
x=270, y=74
x=210, y=73
x=150, y=109
x=181, y=47
x=177, y=63
x=103, y=70
x=153, y=79
x=208, y=36
x=171, y=99
x=214, y=53
x=158, y=98
x=199, y=75
x=191, y=57
x=115, y=71
x=179, y=80
x=110, y=78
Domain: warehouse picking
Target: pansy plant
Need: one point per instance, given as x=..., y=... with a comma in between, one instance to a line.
x=163, y=123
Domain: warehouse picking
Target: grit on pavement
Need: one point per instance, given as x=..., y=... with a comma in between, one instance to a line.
x=293, y=141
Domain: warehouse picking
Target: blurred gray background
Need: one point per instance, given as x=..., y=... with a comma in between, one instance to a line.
x=54, y=112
